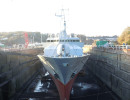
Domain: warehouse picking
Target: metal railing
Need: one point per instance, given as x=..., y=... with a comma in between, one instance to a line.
x=119, y=47
x=11, y=49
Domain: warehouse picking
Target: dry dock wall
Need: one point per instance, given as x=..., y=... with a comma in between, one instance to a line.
x=16, y=68
x=113, y=68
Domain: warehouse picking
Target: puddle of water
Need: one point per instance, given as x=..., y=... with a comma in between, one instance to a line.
x=72, y=91
x=46, y=74
x=38, y=87
x=48, y=84
x=42, y=86
x=85, y=86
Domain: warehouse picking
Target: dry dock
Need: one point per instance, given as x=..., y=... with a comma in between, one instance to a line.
x=107, y=76
x=16, y=69
x=113, y=68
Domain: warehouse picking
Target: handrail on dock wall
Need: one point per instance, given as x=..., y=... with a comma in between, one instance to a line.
x=118, y=47
x=17, y=49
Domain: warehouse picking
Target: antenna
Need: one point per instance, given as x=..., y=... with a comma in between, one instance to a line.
x=62, y=15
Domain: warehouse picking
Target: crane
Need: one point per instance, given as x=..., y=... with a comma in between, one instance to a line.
x=26, y=39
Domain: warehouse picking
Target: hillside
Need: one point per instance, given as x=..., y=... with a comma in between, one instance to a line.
x=10, y=38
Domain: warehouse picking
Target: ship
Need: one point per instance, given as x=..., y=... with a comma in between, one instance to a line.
x=63, y=59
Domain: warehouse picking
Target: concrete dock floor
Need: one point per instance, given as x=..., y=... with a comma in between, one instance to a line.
x=86, y=87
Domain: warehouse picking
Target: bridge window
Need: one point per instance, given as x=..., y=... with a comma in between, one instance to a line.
x=62, y=40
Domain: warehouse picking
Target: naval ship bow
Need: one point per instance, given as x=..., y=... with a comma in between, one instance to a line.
x=63, y=59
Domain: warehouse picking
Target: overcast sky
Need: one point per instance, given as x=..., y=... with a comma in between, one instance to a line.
x=89, y=17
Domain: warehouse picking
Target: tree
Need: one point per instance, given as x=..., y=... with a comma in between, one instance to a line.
x=124, y=37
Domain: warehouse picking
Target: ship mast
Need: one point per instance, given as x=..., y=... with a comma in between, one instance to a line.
x=62, y=16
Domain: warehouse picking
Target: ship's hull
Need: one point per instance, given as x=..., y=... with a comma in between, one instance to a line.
x=63, y=72
x=64, y=69
x=64, y=90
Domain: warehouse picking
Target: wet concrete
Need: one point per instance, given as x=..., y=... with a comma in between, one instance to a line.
x=86, y=87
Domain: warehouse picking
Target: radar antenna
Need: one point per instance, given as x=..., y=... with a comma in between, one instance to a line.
x=62, y=15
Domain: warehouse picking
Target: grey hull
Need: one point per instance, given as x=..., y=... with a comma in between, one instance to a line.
x=63, y=68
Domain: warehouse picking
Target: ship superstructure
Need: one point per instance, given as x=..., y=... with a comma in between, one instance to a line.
x=63, y=59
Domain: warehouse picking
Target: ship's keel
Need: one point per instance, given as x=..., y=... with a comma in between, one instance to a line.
x=64, y=89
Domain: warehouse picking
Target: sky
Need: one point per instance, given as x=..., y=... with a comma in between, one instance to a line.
x=88, y=17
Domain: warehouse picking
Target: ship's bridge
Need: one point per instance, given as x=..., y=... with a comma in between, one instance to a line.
x=69, y=39
x=63, y=40
x=60, y=38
